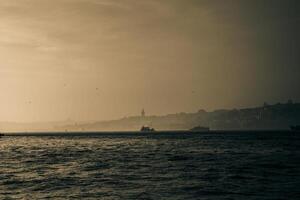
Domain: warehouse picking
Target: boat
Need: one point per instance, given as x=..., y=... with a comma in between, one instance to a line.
x=295, y=128
x=147, y=129
x=199, y=128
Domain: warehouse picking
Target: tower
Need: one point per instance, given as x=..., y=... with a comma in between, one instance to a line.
x=143, y=113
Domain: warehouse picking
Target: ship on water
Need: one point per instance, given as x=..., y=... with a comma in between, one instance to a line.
x=147, y=129
x=144, y=127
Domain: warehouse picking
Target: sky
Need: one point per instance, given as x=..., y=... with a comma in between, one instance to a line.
x=106, y=59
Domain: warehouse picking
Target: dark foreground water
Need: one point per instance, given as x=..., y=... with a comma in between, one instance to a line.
x=153, y=166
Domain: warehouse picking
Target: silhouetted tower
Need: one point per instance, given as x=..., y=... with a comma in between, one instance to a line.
x=143, y=113
x=266, y=104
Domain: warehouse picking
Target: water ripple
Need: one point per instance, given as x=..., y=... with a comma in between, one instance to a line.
x=231, y=166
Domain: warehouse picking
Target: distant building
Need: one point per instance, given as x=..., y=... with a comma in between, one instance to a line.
x=143, y=114
x=290, y=101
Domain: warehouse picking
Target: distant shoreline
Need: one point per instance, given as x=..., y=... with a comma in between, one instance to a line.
x=166, y=132
x=280, y=116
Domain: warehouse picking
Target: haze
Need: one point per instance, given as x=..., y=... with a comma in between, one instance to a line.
x=105, y=59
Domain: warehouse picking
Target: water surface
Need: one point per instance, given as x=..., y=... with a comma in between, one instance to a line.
x=237, y=165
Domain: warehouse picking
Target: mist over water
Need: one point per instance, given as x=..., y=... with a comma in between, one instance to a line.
x=151, y=166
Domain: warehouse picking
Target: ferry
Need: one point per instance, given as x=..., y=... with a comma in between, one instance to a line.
x=147, y=129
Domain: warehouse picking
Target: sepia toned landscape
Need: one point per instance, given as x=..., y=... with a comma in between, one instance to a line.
x=149, y=99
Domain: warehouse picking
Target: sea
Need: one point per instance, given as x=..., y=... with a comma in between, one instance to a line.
x=129, y=165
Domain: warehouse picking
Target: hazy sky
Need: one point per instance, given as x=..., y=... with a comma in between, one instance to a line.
x=103, y=59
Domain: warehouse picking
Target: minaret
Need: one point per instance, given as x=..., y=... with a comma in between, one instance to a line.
x=143, y=113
